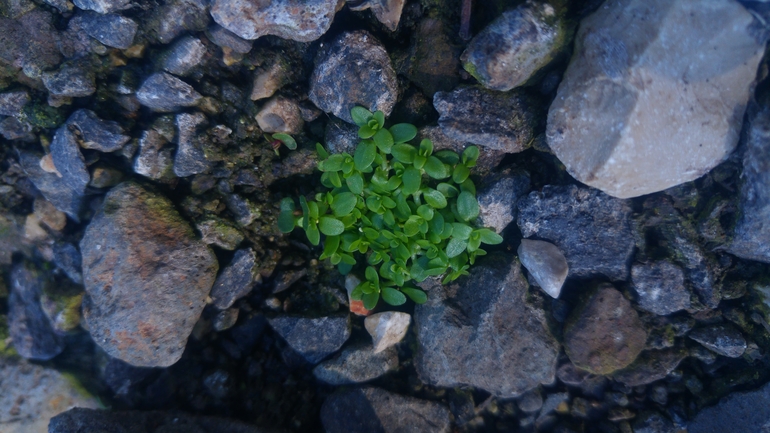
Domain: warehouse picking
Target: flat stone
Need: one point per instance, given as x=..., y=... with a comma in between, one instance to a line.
x=184, y=56
x=387, y=328
x=354, y=69
x=507, y=52
x=225, y=319
x=545, y=263
x=604, y=333
x=105, y=177
x=660, y=287
x=236, y=279
x=164, y=92
x=499, y=121
x=135, y=310
x=650, y=366
x=69, y=161
x=31, y=43
x=738, y=412
x=31, y=332
x=71, y=79
x=313, y=338
x=244, y=211
x=103, y=6
x=190, y=157
x=53, y=187
x=498, y=197
x=481, y=331
x=154, y=159
x=97, y=134
x=376, y=410
x=634, y=118
x=592, y=229
x=297, y=20
x=112, y=30
x=280, y=114
x=356, y=364
x=224, y=38
x=13, y=101
x=724, y=339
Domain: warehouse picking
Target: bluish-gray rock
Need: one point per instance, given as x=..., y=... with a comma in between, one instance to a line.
x=113, y=30
x=227, y=39
x=13, y=101
x=592, y=229
x=494, y=120
x=660, y=287
x=154, y=158
x=97, y=134
x=54, y=188
x=176, y=17
x=184, y=55
x=71, y=79
x=236, y=279
x=69, y=161
x=724, y=339
x=341, y=137
x=356, y=364
x=190, y=158
x=738, y=412
x=164, y=92
x=67, y=258
x=481, y=331
x=103, y=6
x=354, y=69
x=14, y=128
x=376, y=410
x=313, y=338
x=650, y=366
x=498, y=197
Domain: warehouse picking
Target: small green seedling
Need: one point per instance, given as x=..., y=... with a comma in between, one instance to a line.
x=406, y=211
x=279, y=138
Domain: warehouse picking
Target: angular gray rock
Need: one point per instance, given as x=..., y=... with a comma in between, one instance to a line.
x=227, y=39
x=724, y=339
x=236, y=279
x=13, y=101
x=176, y=17
x=516, y=45
x=604, y=333
x=67, y=258
x=356, y=364
x=354, y=69
x=653, y=422
x=660, y=287
x=545, y=263
x=71, y=79
x=184, y=55
x=31, y=332
x=650, y=366
x=751, y=236
x=146, y=277
x=632, y=118
x=154, y=159
x=375, y=410
x=497, y=199
x=69, y=161
x=14, y=128
x=164, y=92
x=494, y=120
x=97, y=134
x=482, y=332
x=103, y=6
x=112, y=30
x=313, y=338
x=738, y=412
x=592, y=229
x=298, y=20
x=190, y=158
x=54, y=188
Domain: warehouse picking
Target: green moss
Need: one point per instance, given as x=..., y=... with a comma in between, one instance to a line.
x=471, y=69
x=6, y=350
x=43, y=116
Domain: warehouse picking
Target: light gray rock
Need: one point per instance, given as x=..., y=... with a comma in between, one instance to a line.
x=227, y=39
x=313, y=339
x=280, y=114
x=354, y=69
x=356, y=364
x=341, y=137
x=164, y=92
x=176, y=17
x=69, y=161
x=219, y=232
x=498, y=197
x=545, y=263
x=190, y=158
x=103, y=6
x=516, y=45
x=53, y=187
x=71, y=79
x=387, y=328
x=298, y=20
x=236, y=279
x=154, y=158
x=184, y=55
x=660, y=287
x=113, y=30
x=13, y=101
x=647, y=104
x=724, y=339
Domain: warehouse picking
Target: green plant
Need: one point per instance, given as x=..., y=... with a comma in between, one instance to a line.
x=279, y=138
x=406, y=209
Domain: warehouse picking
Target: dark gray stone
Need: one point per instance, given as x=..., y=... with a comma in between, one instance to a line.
x=154, y=158
x=184, y=56
x=146, y=277
x=301, y=161
x=236, y=279
x=242, y=209
x=516, y=45
x=498, y=197
x=298, y=20
x=354, y=69
x=68, y=160
x=738, y=412
x=103, y=6
x=357, y=364
x=190, y=158
x=122, y=378
x=650, y=366
x=97, y=134
x=592, y=229
x=341, y=137
x=13, y=128
x=531, y=401
x=751, y=237
x=12, y=102
x=30, y=43
x=434, y=57
x=53, y=187
x=724, y=339
x=227, y=39
x=660, y=287
x=378, y=411
x=285, y=279
x=113, y=30
x=31, y=332
x=164, y=92
x=499, y=121
x=66, y=257
x=654, y=422
x=481, y=331
x=177, y=17
x=80, y=420
x=604, y=333
x=72, y=79
x=314, y=339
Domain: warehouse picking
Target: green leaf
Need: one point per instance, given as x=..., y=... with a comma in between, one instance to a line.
x=343, y=204
x=468, y=186
x=416, y=295
x=426, y=212
x=364, y=155
x=345, y=268
x=460, y=173
x=461, y=231
x=448, y=190
x=322, y=153
x=286, y=220
x=426, y=147
x=489, y=237
x=435, y=199
x=411, y=178
x=448, y=156
x=331, y=244
x=436, y=223
x=455, y=247
x=305, y=212
x=419, y=161
x=286, y=139
x=393, y=296
x=330, y=226
x=435, y=168
x=384, y=140
x=334, y=178
x=470, y=155
x=370, y=300
x=360, y=115
x=474, y=243
x=355, y=183
x=393, y=183
x=404, y=153
x=412, y=226
x=371, y=274
x=373, y=203
x=366, y=131
x=467, y=206
x=334, y=162
x=379, y=116
x=403, y=132
x=312, y=234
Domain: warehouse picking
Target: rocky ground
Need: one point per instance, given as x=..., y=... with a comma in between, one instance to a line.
x=625, y=160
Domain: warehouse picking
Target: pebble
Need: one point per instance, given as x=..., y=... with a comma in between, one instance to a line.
x=224, y=38
x=184, y=56
x=164, y=92
x=48, y=214
x=356, y=364
x=154, y=159
x=280, y=114
x=112, y=30
x=52, y=185
x=236, y=280
x=219, y=232
x=66, y=257
x=387, y=12
x=660, y=287
x=225, y=319
x=313, y=338
x=12, y=102
x=268, y=79
x=498, y=197
x=176, y=17
x=738, y=412
x=69, y=161
x=650, y=366
x=103, y=6
x=545, y=263
x=387, y=328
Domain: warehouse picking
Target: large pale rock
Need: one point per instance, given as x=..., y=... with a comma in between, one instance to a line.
x=146, y=277
x=655, y=93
